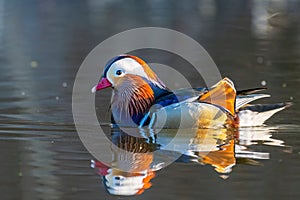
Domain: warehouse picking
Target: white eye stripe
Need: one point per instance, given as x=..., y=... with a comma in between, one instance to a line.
x=127, y=66
x=130, y=66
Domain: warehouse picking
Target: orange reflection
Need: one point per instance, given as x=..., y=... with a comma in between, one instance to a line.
x=130, y=171
x=216, y=147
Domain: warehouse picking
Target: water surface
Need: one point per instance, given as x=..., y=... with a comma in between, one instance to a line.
x=42, y=44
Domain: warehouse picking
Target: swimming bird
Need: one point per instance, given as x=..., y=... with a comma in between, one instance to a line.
x=141, y=99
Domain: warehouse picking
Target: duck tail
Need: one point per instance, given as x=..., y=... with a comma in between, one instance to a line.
x=256, y=115
x=242, y=100
x=250, y=91
x=222, y=94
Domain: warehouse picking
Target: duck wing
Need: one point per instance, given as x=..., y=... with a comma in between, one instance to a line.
x=212, y=109
x=223, y=94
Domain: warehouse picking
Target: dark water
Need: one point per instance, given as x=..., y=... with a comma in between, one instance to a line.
x=42, y=44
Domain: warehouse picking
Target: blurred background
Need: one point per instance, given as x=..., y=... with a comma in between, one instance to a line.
x=43, y=43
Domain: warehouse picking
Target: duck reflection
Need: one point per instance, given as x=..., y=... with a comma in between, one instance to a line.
x=222, y=157
x=132, y=166
x=134, y=161
x=232, y=147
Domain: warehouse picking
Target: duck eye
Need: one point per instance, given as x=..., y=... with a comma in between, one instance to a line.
x=119, y=72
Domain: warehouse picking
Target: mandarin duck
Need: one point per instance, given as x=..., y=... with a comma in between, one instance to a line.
x=141, y=99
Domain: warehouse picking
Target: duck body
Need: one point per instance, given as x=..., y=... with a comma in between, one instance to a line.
x=190, y=115
x=141, y=99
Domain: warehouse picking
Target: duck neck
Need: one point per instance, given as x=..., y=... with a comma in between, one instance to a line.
x=132, y=99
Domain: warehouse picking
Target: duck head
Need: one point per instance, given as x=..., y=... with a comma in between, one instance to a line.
x=135, y=88
x=118, y=67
